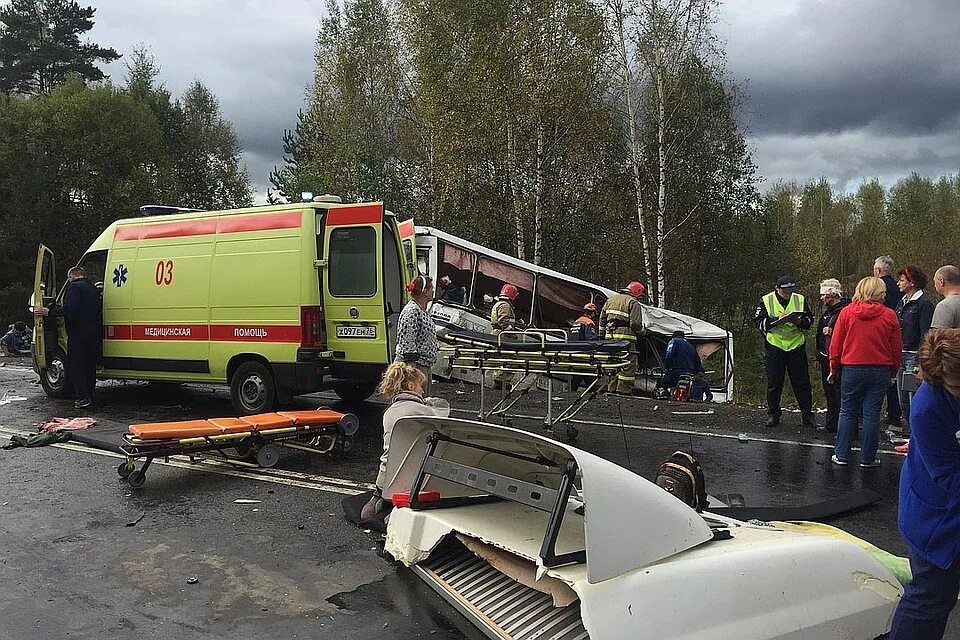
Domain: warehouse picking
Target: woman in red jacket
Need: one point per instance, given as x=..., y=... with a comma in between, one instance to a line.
x=866, y=343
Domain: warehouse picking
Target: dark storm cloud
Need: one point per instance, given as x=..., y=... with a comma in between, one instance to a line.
x=850, y=90
x=825, y=66
x=847, y=89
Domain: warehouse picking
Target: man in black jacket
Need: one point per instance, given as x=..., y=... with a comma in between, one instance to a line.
x=916, y=314
x=833, y=301
x=883, y=269
x=81, y=311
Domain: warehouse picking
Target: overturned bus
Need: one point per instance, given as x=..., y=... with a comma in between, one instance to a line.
x=551, y=300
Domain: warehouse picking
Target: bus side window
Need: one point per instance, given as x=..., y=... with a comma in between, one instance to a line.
x=456, y=264
x=558, y=303
x=493, y=274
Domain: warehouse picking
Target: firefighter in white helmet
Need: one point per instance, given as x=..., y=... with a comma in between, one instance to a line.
x=622, y=319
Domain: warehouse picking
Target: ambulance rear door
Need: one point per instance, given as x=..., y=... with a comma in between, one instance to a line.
x=354, y=296
x=44, y=294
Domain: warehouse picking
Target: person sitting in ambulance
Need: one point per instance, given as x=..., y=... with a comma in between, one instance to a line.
x=449, y=292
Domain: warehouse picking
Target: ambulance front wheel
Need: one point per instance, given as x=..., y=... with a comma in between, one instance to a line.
x=252, y=388
x=54, y=380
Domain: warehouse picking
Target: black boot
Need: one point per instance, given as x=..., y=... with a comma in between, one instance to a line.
x=772, y=421
x=807, y=421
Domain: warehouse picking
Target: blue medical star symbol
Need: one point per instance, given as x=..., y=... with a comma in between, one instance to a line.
x=120, y=275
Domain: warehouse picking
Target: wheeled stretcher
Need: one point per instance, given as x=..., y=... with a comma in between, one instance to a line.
x=533, y=354
x=253, y=440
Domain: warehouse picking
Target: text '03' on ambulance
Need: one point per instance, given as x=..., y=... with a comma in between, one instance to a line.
x=275, y=301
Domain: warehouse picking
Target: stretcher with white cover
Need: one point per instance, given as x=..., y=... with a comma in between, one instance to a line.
x=253, y=441
x=527, y=356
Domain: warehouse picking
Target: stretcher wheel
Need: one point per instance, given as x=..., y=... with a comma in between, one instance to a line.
x=124, y=470
x=346, y=444
x=267, y=456
x=572, y=432
x=136, y=478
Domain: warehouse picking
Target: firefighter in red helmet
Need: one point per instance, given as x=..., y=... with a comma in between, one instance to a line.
x=503, y=315
x=622, y=319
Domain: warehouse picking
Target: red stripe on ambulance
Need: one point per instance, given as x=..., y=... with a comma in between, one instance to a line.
x=255, y=333
x=214, y=332
x=225, y=224
x=367, y=214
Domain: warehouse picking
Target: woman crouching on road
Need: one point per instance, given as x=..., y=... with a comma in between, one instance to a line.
x=866, y=343
x=404, y=383
x=929, y=512
x=416, y=332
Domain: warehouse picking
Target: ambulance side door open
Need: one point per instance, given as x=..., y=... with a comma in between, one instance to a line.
x=355, y=312
x=44, y=295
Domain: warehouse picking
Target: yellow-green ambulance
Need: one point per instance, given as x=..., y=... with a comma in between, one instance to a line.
x=275, y=301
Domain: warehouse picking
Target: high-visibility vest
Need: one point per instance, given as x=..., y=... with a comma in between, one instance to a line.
x=786, y=336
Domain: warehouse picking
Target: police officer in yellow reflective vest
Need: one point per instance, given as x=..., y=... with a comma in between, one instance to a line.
x=622, y=319
x=782, y=316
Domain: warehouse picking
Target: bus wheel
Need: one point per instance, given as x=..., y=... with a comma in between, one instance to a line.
x=354, y=391
x=53, y=379
x=252, y=388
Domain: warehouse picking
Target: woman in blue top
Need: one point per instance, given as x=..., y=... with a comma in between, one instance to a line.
x=929, y=515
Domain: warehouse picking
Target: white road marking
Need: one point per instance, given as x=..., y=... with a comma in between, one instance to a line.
x=276, y=476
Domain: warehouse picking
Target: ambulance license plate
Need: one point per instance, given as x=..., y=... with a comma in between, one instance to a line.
x=356, y=331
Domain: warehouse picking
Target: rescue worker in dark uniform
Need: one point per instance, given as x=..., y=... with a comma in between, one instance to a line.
x=831, y=296
x=680, y=359
x=503, y=315
x=81, y=312
x=585, y=327
x=622, y=319
x=782, y=316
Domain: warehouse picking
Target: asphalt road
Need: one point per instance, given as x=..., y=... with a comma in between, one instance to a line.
x=83, y=556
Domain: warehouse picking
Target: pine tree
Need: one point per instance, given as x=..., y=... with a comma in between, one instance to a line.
x=40, y=45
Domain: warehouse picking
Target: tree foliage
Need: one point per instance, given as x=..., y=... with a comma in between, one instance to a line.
x=40, y=45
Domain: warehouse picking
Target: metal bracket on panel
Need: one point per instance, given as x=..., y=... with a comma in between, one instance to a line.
x=320, y=264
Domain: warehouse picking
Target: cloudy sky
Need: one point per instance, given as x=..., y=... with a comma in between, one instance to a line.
x=847, y=89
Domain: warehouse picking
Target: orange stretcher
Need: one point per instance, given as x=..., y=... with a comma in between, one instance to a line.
x=253, y=440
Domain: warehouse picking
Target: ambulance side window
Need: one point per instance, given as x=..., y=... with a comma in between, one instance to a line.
x=94, y=264
x=353, y=262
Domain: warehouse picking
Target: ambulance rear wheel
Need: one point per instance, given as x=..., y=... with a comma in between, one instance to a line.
x=54, y=380
x=354, y=391
x=252, y=388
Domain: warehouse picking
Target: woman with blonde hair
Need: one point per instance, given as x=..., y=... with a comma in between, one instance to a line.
x=929, y=510
x=404, y=383
x=865, y=344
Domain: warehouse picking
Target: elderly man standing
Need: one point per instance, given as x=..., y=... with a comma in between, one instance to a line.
x=947, y=283
x=883, y=268
x=782, y=316
x=833, y=301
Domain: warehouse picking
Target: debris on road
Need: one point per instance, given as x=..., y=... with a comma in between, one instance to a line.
x=139, y=518
x=193, y=580
x=743, y=438
x=58, y=425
